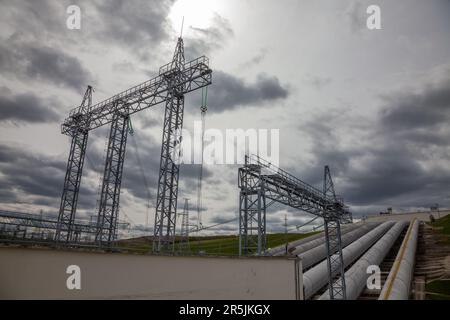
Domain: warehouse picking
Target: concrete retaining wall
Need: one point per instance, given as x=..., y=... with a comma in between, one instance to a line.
x=41, y=274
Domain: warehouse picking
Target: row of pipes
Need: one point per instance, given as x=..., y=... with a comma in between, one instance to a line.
x=364, y=245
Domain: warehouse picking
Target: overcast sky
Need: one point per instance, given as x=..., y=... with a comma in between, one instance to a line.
x=374, y=105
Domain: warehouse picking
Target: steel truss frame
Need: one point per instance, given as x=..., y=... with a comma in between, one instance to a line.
x=260, y=181
x=174, y=80
x=69, y=198
x=112, y=179
x=335, y=259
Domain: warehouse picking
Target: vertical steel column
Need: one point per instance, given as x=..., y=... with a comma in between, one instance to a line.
x=72, y=180
x=69, y=198
x=335, y=259
x=252, y=212
x=166, y=203
x=112, y=178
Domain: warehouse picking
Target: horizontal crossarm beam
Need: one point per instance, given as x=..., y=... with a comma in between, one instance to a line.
x=195, y=74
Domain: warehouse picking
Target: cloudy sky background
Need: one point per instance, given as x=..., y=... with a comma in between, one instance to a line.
x=372, y=104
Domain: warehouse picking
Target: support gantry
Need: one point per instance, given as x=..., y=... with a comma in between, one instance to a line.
x=112, y=179
x=252, y=211
x=335, y=259
x=174, y=81
x=69, y=199
x=262, y=184
x=169, y=171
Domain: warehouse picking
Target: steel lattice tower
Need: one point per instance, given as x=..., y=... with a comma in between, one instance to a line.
x=183, y=245
x=166, y=202
x=69, y=198
x=335, y=259
x=252, y=211
x=112, y=179
x=174, y=80
x=263, y=184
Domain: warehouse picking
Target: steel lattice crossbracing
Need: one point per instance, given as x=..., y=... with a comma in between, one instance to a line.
x=112, y=180
x=175, y=79
x=72, y=180
x=252, y=208
x=71, y=189
x=166, y=202
x=262, y=184
x=13, y=223
x=333, y=241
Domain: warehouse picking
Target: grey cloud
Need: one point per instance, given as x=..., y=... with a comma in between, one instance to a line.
x=205, y=40
x=28, y=174
x=318, y=82
x=137, y=26
x=32, y=61
x=229, y=92
x=356, y=15
x=27, y=107
x=426, y=109
x=395, y=164
x=137, y=23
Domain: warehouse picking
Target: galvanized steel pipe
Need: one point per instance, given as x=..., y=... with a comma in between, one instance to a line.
x=356, y=276
x=398, y=283
x=317, y=277
x=319, y=253
x=308, y=243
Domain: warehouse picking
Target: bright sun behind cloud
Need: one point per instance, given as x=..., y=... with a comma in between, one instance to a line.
x=196, y=13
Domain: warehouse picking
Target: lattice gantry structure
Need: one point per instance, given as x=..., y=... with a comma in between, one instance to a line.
x=175, y=79
x=263, y=184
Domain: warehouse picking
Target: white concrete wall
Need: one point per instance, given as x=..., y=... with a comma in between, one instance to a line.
x=41, y=274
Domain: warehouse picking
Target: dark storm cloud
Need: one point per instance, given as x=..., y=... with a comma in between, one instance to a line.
x=27, y=108
x=33, y=61
x=137, y=23
x=25, y=173
x=397, y=162
x=136, y=26
x=229, y=92
x=424, y=110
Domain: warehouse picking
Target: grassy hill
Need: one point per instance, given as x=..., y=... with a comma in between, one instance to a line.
x=442, y=226
x=211, y=245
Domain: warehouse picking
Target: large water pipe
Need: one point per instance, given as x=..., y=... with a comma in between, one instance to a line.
x=319, y=253
x=356, y=276
x=308, y=243
x=317, y=277
x=398, y=283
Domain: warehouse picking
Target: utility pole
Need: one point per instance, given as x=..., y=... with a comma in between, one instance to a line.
x=183, y=245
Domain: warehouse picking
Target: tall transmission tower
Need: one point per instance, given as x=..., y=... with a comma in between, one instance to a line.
x=183, y=245
x=169, y=170
x=174, y=80
x=335, y=259
x=112, y=179
x=69, y=198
